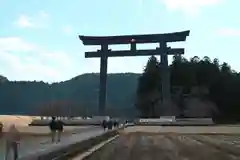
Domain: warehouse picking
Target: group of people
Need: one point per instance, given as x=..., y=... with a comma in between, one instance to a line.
x=109, y=124
x=13, y=137
x=56, y=127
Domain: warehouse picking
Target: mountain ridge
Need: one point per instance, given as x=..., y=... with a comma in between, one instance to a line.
x=26, y=97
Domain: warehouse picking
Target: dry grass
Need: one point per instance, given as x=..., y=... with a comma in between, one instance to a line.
x=15, y=119
x=144, y=146
x=173, y=143
x=22, y=122
x=185, y=130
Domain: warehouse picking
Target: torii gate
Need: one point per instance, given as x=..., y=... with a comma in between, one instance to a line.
x=162, y=50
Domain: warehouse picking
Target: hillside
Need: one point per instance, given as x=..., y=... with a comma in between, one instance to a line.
x=3, y=79
x=25, y=97
x=79, y=95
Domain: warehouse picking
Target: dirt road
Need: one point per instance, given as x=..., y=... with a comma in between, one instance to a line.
x=146, y=146
x=31, y=143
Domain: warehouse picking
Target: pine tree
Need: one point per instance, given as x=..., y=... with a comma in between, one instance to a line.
x=149, y=86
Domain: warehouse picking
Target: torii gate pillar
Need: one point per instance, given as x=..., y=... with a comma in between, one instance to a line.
x=103, y=81
x=166, y=87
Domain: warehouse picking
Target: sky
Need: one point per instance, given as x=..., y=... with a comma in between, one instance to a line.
x=39, y=38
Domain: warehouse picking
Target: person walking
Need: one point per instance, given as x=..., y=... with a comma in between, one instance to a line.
x=12, y=142
x=53, y=128
x=1, y=129
x=115, y=124
x=110, y=124
x=104, y=124
x=59, y=129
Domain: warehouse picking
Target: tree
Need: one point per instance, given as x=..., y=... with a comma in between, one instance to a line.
x=23, y=97
x=61, y=109
x=222, y=81
x=148, y=90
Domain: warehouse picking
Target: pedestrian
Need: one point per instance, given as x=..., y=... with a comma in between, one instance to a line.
x=12, y=142
x=59, y=129
x=53, y=128
x=104, y=124
x=110, y=124
x=115, y=123
x=1, y=129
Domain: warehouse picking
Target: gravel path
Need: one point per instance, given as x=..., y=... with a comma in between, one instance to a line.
x=30, y=144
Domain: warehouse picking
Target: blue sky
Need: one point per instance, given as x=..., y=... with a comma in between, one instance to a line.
x=39, y=38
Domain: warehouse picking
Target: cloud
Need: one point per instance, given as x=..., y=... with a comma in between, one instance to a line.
x=21, y=60
x=43, y=14
x=24, y=22
x=140, y=3
x=39, y=20
x=230, y=32
x=189, y=6
x=67, y=29
x=15, y=44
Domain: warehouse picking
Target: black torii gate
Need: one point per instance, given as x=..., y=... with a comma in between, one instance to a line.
x=162, y=50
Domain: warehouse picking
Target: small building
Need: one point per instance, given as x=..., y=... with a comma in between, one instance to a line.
x=101, y=118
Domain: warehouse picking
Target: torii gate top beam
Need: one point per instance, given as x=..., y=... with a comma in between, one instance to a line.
x=126, y=39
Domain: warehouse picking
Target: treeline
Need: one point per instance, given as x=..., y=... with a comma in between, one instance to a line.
x=223, y=83
x=79, y=94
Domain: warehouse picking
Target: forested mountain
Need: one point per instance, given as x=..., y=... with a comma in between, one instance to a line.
x=3, y=79
x=81, y=92
x=23, y=97
x=221, y=82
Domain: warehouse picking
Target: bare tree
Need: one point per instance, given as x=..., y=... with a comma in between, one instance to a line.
x=62, y=109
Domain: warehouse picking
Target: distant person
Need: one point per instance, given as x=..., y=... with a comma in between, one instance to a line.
x=53, y=128
x=104, y=124
x=1, y=129
x=12, y=142
x=59, y=128
x=115, y=123
x=110, y=124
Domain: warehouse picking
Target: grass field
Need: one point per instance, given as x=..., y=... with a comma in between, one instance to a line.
x=22, y=122
x=16, y=119
x=173, y=143
x=169, y=147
